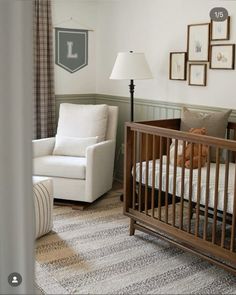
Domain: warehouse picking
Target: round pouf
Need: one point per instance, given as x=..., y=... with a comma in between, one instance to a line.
x=43, y=204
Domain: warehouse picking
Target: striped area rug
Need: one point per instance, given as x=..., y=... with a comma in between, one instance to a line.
x=91, y=252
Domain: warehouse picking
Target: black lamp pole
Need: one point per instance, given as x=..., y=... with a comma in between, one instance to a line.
x=131, y=89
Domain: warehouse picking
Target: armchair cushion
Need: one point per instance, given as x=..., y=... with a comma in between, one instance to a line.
x=60, y=166
x=83, y=120
x=73, y=146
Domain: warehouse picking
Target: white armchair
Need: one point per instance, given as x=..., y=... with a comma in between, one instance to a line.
x=80, y=178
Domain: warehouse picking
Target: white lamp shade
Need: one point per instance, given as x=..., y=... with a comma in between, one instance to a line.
x=130, y=66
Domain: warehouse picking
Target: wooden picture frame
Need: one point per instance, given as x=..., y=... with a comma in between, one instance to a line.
x=198, y=42
x=197, y=74
x=220, y=30
x=177, y=66
x=222, y=57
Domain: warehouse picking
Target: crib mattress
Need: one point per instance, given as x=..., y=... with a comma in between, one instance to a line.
x=230, y=194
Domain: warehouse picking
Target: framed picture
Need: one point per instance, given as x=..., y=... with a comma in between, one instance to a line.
x=198, y=42
x=178, y=65
x=197, y=74
x=222, y=56
x=220, y=30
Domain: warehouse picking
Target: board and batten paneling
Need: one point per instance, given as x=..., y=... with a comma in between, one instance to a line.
x=144, y=110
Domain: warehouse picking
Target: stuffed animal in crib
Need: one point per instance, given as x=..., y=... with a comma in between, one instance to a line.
x=196, y=154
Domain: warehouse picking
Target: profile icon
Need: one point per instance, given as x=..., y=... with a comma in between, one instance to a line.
x=14, y=279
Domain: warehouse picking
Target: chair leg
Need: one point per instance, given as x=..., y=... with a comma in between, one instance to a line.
x=131, y=227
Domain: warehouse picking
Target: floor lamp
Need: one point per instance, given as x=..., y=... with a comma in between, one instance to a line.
x=131, y=66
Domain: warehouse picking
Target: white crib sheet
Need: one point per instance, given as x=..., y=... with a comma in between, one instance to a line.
x=230, y=194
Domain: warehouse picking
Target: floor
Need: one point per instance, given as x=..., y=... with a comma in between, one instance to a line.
x=91, y=252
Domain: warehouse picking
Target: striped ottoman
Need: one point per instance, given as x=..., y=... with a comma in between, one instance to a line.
x=43, y=204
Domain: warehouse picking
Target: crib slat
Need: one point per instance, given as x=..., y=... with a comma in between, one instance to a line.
x=134, y=169
x=190, y=208
x=140, y=171
x=228, y=133
x=146, y=176
x=174, y=182
x=225, y=199
x=216, y=195
x=232, y=241
x=207, y=193
x=182, y=187
x=160, y=178
x=234, y=153
x=167, y=178
x=153, y=171
x=198, y=189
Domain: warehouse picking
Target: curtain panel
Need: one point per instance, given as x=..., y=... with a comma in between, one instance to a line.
x=44, y=93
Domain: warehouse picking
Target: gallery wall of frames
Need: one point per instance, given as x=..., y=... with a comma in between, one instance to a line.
x=208, y=47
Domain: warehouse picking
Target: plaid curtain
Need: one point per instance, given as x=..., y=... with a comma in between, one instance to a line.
x=44, y=96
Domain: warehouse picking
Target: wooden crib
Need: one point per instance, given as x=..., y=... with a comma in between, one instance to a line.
x=194, y=209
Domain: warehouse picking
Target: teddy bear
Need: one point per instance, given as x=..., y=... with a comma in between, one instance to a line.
x=204, y=152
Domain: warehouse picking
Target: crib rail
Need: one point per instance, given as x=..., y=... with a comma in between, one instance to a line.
x=192, y=206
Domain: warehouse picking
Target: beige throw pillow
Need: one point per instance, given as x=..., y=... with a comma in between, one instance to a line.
x=214, y=122
x=73, y=146
x=77, y=120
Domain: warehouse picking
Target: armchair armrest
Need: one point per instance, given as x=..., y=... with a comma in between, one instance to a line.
x=43, y=147
x=99, y=170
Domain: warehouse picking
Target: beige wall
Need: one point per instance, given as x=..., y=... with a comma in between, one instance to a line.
x=155, y=27
x=158, y=27
x=84, y=14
